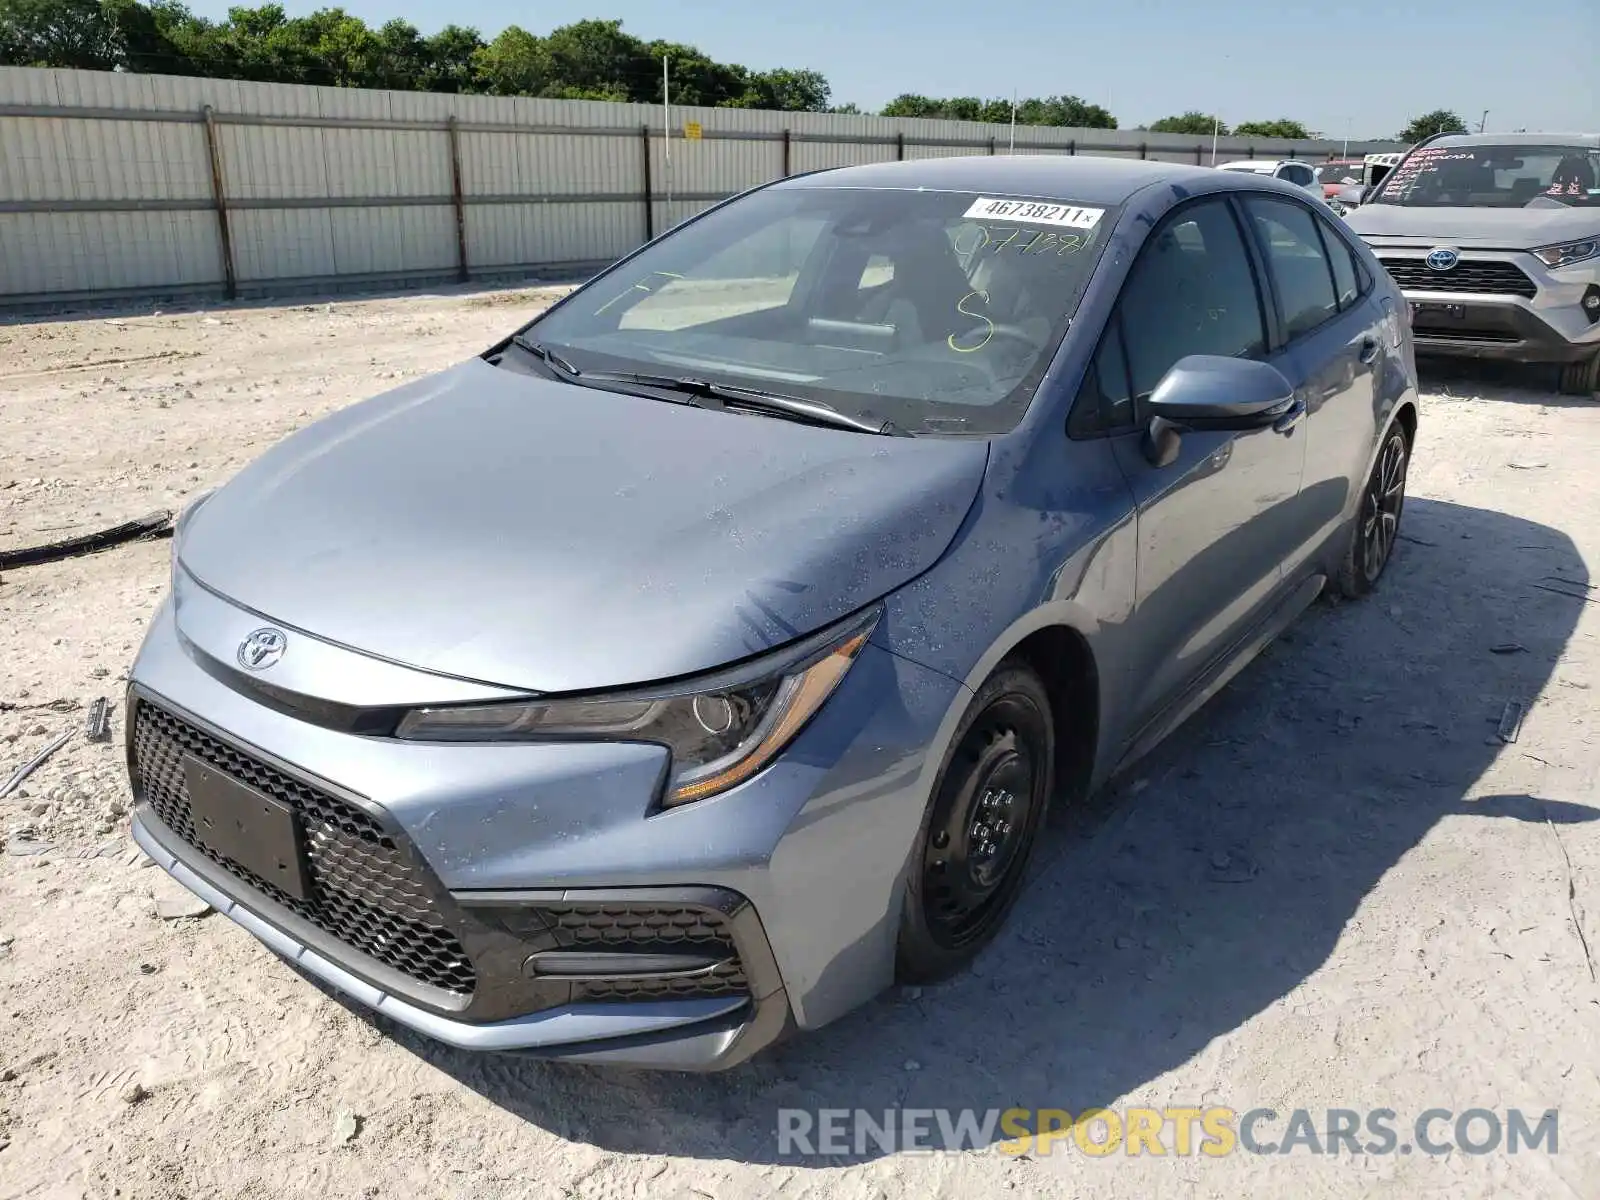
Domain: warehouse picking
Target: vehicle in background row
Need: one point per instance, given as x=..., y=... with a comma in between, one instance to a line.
x=1374, y=169
x=1296, y=172
x=1495, y=240
x=1333, y=177
x=704, y=656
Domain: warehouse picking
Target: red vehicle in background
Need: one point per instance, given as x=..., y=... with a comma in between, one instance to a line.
x=1335, y=176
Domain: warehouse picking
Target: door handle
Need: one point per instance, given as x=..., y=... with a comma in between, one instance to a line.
x=1369, y=348
x=1286, y=423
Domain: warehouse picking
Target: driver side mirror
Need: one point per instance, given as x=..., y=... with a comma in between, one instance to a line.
x=1353, y=196
x=1206, y=391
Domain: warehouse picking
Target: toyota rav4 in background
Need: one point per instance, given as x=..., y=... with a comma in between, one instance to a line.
x=1495, y=240
x=705, y=655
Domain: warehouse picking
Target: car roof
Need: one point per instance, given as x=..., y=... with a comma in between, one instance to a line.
x=1253, y=164
x=1081, y=178
x=1588, y=141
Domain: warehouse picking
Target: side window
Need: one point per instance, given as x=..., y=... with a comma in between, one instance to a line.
x=1300, y=268
x=1346, y=277
x=1103, y=401
x=1192, y=291
x=1302, y=175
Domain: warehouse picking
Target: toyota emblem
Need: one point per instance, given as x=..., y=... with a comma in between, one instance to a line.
x=261, y=649
x=1442, y=258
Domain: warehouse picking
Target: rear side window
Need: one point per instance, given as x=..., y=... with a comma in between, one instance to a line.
x=1192, y=291
x=1300, y=267
x=1346, y=275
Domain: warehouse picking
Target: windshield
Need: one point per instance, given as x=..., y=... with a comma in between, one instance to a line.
x=1494, y=177
x=938, y=311
x=1343, y=174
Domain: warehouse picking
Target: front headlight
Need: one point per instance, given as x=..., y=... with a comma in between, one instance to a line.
x=720, y=729
x=1569, y=253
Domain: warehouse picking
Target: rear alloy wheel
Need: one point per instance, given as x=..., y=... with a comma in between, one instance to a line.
x=981, y=827
x=1377, y=524
x=1581, y=378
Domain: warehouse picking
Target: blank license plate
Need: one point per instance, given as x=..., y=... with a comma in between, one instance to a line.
x=1423, y=308
x=259, y=833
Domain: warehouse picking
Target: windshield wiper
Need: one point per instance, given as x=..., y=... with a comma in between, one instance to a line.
x=753, y=399
x=540, y=351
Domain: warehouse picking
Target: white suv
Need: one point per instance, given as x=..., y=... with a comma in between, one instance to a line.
x=1495, y=240
x=1296, y=171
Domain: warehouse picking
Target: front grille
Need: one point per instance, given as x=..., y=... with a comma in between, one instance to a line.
x=1480, y=277
x=365, y=890
x=648, y=928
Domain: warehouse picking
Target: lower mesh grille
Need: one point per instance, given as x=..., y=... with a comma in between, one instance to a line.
x=646, y=928
x=365, y=890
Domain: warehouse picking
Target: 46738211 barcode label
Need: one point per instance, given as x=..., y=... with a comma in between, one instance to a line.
x=1034, y=212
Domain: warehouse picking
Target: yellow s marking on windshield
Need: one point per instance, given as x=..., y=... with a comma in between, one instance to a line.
x=966, y=312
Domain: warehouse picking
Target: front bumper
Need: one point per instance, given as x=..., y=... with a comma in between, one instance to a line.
x=694, y=1035
x=1501, y=305
x=479, y=893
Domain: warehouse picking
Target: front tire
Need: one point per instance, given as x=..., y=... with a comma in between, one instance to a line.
x=1377, y=523
x=979, y=832
x=1581, y=378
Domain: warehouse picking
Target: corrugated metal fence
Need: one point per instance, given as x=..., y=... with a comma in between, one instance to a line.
x=147, y=185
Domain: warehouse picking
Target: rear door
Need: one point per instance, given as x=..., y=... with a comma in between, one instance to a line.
x=1214, y=526
x=1331, y=331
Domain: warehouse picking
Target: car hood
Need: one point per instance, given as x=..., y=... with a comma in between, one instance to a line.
x=1480, y=228
x=520, y=531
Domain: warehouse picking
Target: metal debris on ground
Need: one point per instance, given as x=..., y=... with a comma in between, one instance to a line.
x=14, y=780
x=1508, y=648
x=99, y=725
x=1511, y=721
x=157, y=524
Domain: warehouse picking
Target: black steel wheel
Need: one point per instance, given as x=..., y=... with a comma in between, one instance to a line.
x=1377, y=524
x=981, y=826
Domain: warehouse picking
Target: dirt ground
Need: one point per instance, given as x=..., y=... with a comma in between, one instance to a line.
x=1336, y=887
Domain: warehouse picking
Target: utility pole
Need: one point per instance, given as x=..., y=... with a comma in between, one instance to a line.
x=1348, y=122
x=1216, y=131
x=666, y=129
x=1483, y=120
x=1013, y=147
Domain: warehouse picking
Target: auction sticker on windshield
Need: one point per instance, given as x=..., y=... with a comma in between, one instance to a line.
x=1034, y=212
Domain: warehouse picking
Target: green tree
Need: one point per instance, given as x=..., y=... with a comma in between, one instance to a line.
x=1192, y=121
x=514, y=64
x=451, y=60
x=696, y=78
x=1063, y=111
x=1440, y=120
x=596, y=60
x=1283, y=127
x=786, y=90
x=57, y=33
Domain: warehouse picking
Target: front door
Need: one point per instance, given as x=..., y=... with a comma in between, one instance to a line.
x=1216, y=525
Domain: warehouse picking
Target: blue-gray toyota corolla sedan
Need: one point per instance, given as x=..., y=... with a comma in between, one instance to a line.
x=704, y=657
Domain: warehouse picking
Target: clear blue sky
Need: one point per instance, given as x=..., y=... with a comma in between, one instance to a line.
x=1367, y=64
